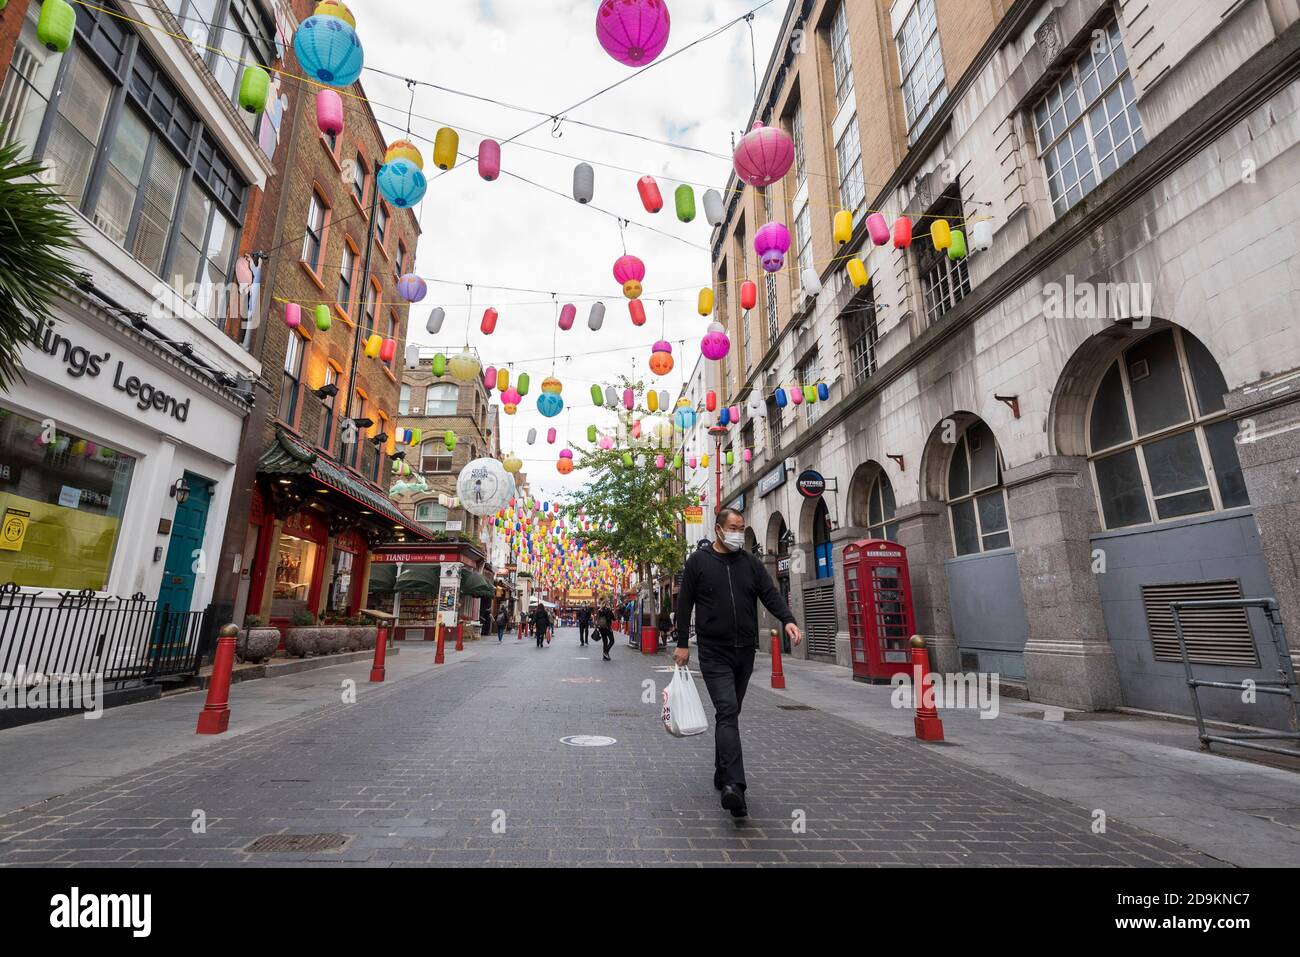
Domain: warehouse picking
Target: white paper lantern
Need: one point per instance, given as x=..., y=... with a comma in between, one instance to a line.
x=756, y=406
x=981, y=235
x=484, y=487
x=584, y=183
x=532, y=436
x=434, y=325
x=611, y=396
x=713, y=208
x=597, y=317
x=812, y=283
x=412, y=356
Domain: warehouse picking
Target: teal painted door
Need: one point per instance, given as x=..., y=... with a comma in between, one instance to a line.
x=183, y=553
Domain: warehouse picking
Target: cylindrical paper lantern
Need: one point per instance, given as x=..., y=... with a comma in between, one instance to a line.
x=748, y=294
x=857, y=270
x=567, y=315
x=611, y=396
x=781, y=400
x=940, y=234
x=597, y=316
x=749, y=455
x=629, y=399
x=373, y=345
x=597, y=397
x=522, y=382
x=638, y=312
x=877, y=228
x=843, y=226
x=796, y=395
x=957, y=245
x=591, y=433
x=434, y=325
x=810, y=394
x=489, y=159
x=388, y=350
x=329, y=112
x=489, y=323
x=56, y=25
x=550, y=436
x=445, y=146
x=823, y=391
x=449, y=440
x=902, y=232
x=714, y=211
x=685, y=200
x=724, y=417
x=812, y=283
x=490, y=378
x=254, y=87
x=981, y=235
x=705, y=305
x=711, y=401
x=652, y=401
x=439, y=364
x=323, y=317
x=503, y=379
x=584, y=183
x=651, y=198
x=292, y=315
x=532, y=436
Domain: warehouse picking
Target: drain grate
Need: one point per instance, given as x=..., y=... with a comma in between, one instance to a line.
x=795, y=707
x=282, y=843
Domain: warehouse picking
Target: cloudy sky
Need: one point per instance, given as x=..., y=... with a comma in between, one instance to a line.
x=543, y=55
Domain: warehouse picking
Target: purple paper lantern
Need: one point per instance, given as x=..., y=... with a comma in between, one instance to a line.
x=412, y=288
x=764, y=155
x=633, y=32
x=772, y=242
x=715, y=343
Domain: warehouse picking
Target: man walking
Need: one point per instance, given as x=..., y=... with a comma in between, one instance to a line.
x=541, y=622
x=723, y=584
x=584, y=624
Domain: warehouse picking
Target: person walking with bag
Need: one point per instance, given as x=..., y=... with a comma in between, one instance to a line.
x=584, y=625
x=541, y=622
x=722, y=585
x=501, y=625
x=605, y=629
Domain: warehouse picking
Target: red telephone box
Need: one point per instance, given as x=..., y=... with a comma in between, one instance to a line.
x=878, y=590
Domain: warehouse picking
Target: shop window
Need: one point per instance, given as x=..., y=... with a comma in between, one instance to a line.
x=920, y=61
x=848, y=155
x=441, y=399
x=338, y=603
x=291, y=384
x=977, y=502
x=880, y=509
x=1087, y=125
x=62, y=498
x=1160, y=441
x=294, y=569
x=404, y=400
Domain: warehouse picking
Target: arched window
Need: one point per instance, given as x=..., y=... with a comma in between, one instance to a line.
x=441, y=399
x=1160, y=440
x=822, y=546
x=977, y=503
x=880, y=509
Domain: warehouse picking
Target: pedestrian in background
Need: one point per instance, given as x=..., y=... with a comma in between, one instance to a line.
x=501, y=624
x=722, y=585
x=605, y=629
x=541, y=622
x=584, y=624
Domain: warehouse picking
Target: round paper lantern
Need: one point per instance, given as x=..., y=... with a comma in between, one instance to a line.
x=630, y=271
x=412, y=288
x=651, y=198
x=705, y=303
x=685, y=200
x=596, y=318
x=323, y=317
x=522, y=383
x=902, y=232
x=490, y=378
x=373, y=345
x=661, y=358
x=857, y=270
x=489, y=159
x=56, y=25
x=434, y=325
x=254, y=88
x=464, y=367
x=513, y=464
x=711, y=400
x=335, y=8
x=714, y=211
x=584, y=183
x=402, y=183
x=981, y=235
x=715, y=344
x=764, y=155
x=637, y=309
x=565, y=465
x=748, y=294
x=812, y=283
x=957, y=245
x=597, y=397
x=633, y=32
x=404, y=150
x=388, y=350
x=489, y=323
x=328, y=50
x=877, y=228
x=292, y=315
x=510, y=400
x=772, y=242
x=940, y=234
x=439, y=365
x=484, y=486
x=843, y=226
x=549, y=402
x=329, y=112
x=446, y=144
x=567, y=315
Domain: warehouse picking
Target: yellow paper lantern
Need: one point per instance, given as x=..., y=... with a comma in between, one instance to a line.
x=652, y=401
x=373, y=345
x=464, y=367
x=941, y=234
x=858, y=273
x=445, y=146
x=404, y=150
x=706, y=301
x=333, y=8
x=843, y=226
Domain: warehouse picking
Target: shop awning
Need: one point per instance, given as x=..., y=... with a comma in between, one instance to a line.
x=383, y=576
x=287, y=455
x=418, y=579
x=475, y=585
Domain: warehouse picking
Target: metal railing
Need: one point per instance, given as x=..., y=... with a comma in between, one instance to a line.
x=83, y=633
x=1285, y=686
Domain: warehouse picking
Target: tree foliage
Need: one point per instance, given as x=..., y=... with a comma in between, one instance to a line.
x=36, y=235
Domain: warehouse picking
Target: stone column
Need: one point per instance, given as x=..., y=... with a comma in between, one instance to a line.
x=923, y=531
x=1268, y=444
x=1053, y=512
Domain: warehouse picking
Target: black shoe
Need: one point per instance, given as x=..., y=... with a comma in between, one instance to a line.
x=733, y=799
x=717, y=783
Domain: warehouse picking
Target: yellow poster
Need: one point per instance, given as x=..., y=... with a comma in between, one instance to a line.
x=60, y=547
x=13, y=529
x=693, y=514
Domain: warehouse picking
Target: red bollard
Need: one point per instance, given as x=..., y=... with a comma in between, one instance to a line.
x=521, y=629
x=377, y=670
x=215, y=716
x=778, y=676
x=928, y=725
x=460, y=640
x=439, y=658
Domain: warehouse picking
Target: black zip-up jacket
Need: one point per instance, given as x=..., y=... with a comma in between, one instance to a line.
x=724, y=591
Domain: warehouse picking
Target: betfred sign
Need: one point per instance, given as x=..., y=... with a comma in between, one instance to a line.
x=811, y=484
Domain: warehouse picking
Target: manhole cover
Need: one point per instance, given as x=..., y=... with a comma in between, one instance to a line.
x=795, y=707
x=588, y=741
x=281, y=843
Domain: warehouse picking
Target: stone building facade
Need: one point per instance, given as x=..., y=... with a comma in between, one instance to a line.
x=1091, y=417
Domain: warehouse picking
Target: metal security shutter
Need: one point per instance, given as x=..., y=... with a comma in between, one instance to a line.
x=819, y=619
x=1213, y=636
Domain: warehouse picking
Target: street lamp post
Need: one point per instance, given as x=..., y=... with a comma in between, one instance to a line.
x=717, y=431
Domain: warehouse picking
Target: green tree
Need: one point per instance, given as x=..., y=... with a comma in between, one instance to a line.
x=36, y=236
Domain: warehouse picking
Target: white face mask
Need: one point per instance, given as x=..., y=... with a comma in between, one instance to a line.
x=733, y=541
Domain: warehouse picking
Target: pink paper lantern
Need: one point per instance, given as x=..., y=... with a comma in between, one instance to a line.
x=567, y=315
x=735, y=413
x=692, y=462
x=329, y=112
x=715, y=343
x=550, y=436
x=772, y=242
x=749, y=455
x=796, y=395
x=633, y=32
x=764, y=155
x=878, y=229
x=489, y=159
x=659, y=461
x=629, y=399
x=606, y=442
x=292, y=315
x=489, y=378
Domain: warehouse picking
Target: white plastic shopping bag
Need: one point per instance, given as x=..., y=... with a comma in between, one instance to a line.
x=683, y=713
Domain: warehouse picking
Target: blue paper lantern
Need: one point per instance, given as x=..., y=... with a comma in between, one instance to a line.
x=550, y=404
x=823, y=391
x=685, y=419
x=724, y=417
x=328, y=50
x=402, y=183
x=781, y=399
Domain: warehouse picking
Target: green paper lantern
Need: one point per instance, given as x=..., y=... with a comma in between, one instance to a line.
x=810, y=394
x=731, y=458
x=417, y=436
x=627, y=460
x=57, y=25
x=685, y=197
x=957, y=247
x=677, y=461
x=323, y=317
x=521, y=384
x=597, y=396
x=449, y=440
x=591, y=433
x=440, y=365
x=254, y=88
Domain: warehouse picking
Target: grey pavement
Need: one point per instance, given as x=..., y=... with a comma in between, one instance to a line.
x=463, y=764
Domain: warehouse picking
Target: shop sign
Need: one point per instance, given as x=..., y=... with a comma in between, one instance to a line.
x=772, y=481
x=737, y=503
x=455, y=526
x=693, y=515
x=783, y=566
x=811, y=484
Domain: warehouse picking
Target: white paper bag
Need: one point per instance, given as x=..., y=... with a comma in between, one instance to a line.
x=683, y=713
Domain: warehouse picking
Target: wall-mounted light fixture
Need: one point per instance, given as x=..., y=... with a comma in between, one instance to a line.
x=328, y=391
x=179, y=491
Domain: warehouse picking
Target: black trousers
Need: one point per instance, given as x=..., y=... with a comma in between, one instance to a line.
x=583, y=628
x=541, y=636
x=726, y=671
x=606, y=639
